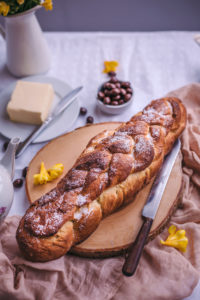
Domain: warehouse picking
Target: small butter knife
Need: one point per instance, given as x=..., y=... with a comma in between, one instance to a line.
x=149, y=211
x=61, y=106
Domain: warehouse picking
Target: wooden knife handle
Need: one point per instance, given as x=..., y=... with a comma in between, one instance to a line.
x=136, y=248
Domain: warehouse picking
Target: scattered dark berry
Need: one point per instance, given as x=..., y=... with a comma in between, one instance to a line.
x=5, y=146
x=24, y=172
x=83, y=111
x=112, y=74
x=90, y=120
x=17, y=183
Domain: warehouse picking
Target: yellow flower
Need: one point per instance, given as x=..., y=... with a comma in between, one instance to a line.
x=48, y=5
x=20, y=2
x=42, y=177
x=48, y=175
x=176, y=239
x=4, y=8
x=55, y=171
x=110, y=66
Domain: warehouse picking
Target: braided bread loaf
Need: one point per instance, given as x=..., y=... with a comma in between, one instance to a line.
x=111, y=170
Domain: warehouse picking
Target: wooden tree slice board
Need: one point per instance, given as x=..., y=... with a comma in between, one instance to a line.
x=117, y=231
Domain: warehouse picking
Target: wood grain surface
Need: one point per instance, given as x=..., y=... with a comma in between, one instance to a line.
x=117, y=231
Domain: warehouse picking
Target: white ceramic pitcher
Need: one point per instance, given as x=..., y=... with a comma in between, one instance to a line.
x=7, y=167
x=27, y=49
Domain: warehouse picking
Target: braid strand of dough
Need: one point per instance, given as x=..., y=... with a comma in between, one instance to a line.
x=114, y=166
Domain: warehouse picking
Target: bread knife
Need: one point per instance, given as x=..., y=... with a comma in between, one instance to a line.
x=149, y=211
x=60, y=107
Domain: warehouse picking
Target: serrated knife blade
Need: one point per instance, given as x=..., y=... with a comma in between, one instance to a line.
x=149, y=211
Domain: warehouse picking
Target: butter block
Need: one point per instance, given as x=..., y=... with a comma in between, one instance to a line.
x=30, y=102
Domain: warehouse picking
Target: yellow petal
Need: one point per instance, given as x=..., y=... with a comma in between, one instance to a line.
x=42, y=177
x=48, y=175
x=47, y=4
x=172, y=229
x=110, y=66
x=178, y=235
x=179, y=244
x=176, y=239
x=20, y=2
x=4, y=8
x=55, y=171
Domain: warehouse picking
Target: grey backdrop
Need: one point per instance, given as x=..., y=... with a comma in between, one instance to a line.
x=121, y=15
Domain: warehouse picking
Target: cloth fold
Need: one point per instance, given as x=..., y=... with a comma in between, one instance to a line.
x=163, y=272
x=69, y=277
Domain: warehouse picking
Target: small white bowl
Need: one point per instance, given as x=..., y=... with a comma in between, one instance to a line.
x=114, y=109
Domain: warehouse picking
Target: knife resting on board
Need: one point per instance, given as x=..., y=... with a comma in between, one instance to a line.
x=149, y=211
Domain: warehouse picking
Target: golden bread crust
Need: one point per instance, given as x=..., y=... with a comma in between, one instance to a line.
x=114, y=166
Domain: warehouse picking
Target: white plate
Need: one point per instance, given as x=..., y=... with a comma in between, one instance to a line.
x=59, y=126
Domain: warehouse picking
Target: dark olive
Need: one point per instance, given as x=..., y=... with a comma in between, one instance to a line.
x=116, y=98
x=129, y=91
x=114, y=103
x=115, y=92
x=112, y=74
x=125, y=84
x=121, y=102
x=107, y=92
x=109, y=86
x=90, y=119
x=83, y=111
x=122, y=92
x=24, y=172
x=127, y=97
x=17, y=183
x=106, y=85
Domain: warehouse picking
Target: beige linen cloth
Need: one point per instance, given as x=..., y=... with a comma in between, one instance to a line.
x=163, y=272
